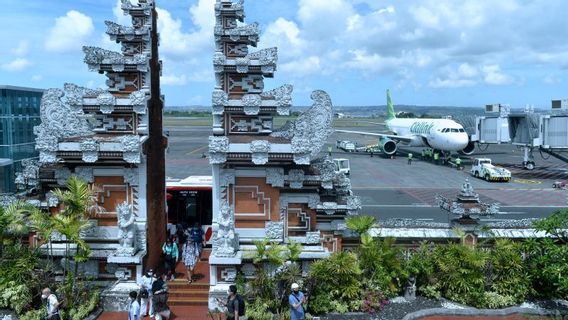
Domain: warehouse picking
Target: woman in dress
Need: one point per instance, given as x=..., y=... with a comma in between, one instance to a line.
x=190, y=257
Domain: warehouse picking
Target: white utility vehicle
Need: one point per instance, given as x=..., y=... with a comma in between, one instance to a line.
x=346, y=145
x=483, y=169
x=342, y=165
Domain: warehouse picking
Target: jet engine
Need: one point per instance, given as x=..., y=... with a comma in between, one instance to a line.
x=468, y=150
x=387, y=146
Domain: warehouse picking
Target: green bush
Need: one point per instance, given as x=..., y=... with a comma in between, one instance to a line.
x=258, y=310
x=493, y=300
x=461, y=273
x=382, y=265
x=39, y=314
x=335, y=283
x=547, y=265
x=508, y=276
x=15, y=296
x=80, y=312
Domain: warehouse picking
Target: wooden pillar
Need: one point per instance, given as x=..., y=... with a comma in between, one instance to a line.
x=155, y=148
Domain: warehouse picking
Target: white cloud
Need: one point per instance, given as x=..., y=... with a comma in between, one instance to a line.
x=22, y=48
x=119, y=14
x=173, y=80
x=18, y=64
x=179, y=44
x=552, y=79
x=494, y=76
x=307, y=66
x=69, y=32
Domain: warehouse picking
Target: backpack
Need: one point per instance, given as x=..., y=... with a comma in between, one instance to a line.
x=242, y=307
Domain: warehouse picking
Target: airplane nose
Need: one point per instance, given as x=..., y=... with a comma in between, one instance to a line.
x=463, y=141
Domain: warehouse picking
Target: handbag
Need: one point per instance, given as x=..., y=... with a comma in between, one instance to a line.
x=144, y=293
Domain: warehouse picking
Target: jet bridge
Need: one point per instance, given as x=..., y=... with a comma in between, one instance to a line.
x=528, y=130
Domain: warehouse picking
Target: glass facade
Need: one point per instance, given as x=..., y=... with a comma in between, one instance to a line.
x=19, y=113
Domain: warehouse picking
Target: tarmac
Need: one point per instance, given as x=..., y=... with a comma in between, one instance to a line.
x=390, y=188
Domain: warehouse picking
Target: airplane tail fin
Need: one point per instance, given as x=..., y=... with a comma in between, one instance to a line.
x=390, y=109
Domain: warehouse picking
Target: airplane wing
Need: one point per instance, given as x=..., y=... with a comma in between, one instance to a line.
x=381, y=135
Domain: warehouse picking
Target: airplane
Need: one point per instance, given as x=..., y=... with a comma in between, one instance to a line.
x=444, y=135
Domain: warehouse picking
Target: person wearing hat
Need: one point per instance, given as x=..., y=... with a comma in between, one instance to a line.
x=297, y=301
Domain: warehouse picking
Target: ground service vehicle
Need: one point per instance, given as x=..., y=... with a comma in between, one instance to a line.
x=484, y=169
x=346, y=145
x=342, y=165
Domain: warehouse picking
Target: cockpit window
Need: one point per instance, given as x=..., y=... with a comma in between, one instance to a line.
x=454, y=130
x=444, y=130
x=462, y=130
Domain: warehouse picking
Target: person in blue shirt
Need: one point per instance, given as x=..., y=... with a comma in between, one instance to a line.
x=133, y=307
x=297, y=301
x=171, y=257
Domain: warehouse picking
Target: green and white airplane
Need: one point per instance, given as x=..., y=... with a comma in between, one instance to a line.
x=440, y=134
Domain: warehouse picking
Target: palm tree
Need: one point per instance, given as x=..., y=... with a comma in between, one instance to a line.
x=12, y=220
x=78, y=202
x=360, y=224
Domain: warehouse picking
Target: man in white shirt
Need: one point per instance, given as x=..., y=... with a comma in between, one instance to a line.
x=134, y=307
x=52, y=304
x=146, y=283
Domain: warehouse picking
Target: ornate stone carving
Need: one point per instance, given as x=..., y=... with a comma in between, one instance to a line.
x=58, y=120
x=218, y=148
x=274, y=230
x=85, y=173
x=229, y=274
x=310, y=131
x=225, y=241
x=94, y=57
x=106, y=101
x=354, y=202
x=131, y=148
x=138, y=101
x=283, y=97
x=283, y=208
x=242, y=64
x=313, y=237
x=220, y=99
x=260, y=149
x=122, y=274
x=29, y=176
x=126, y=230
x=265, y=57
x=296, y=178
x=219, y=61
x=61, y=175
x=275, y=177
x=248, y=269
x=90, y=149
x=314, y=201
x=227, y=178
x=52, y=200
x=131, y=176
x=251, y=104
x=329, y=207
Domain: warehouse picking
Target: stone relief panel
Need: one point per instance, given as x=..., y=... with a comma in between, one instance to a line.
x=275, y=177
x=296, y=178
x=260, y=150
x=274, y=230
x=225, y=240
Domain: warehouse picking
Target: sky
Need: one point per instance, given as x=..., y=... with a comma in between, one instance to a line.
x=428, y=52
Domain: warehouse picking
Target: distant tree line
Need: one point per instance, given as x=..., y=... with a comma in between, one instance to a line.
x=186, y=113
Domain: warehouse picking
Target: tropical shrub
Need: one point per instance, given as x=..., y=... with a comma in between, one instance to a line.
x=258, y=310
x=15, y=296
x=493, y=300
x=39, y=314
x=508, y=276
x=461, y=273
x=382, y=264
x=81, y=311
x=335, y=284
x=373, y=302
x=547, y=266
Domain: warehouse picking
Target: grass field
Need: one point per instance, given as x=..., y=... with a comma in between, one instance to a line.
x=278, y=122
